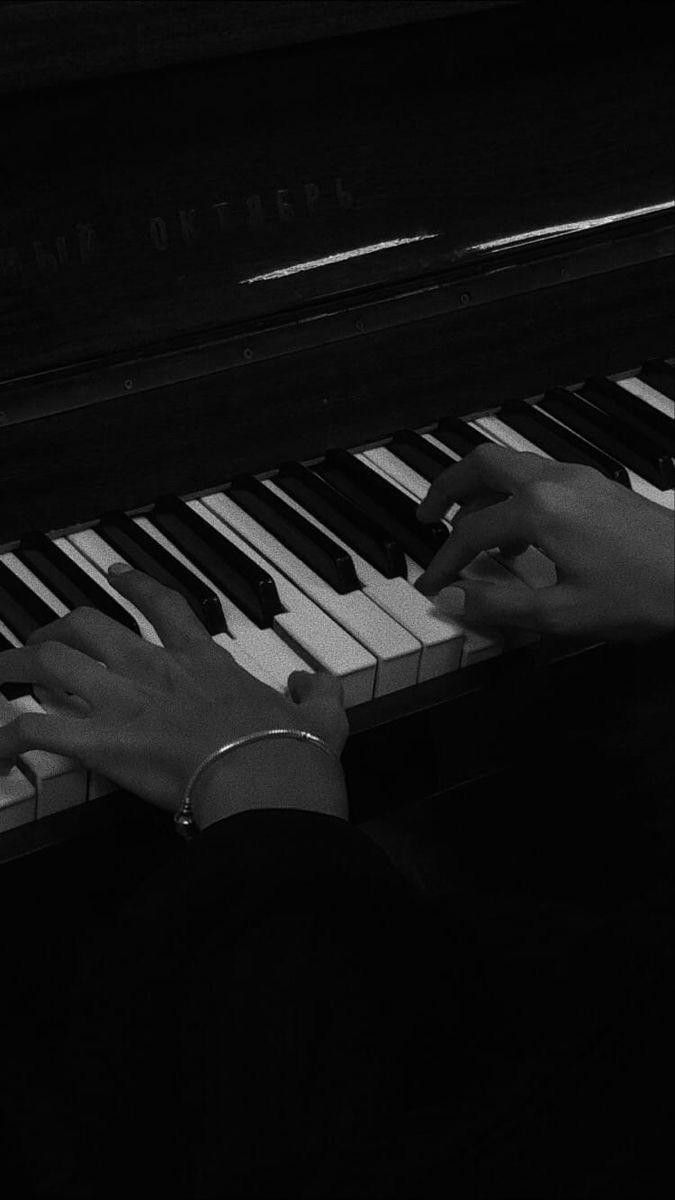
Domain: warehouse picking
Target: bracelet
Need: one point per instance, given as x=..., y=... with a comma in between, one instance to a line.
x=183, y=818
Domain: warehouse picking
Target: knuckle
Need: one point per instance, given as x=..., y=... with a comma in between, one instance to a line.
x=160, y=593
x=179, y=601
x=487, y=452
x=143, y=584
x=175, y=605
x=24, y=727
x=84, y=617
x=545, y=495
x=48, y=655
x=572, y=470
x=585, y=475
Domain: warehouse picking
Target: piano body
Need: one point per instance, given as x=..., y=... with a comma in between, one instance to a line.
x=238, y=237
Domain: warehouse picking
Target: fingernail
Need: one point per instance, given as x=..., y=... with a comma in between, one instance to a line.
x=119, y=568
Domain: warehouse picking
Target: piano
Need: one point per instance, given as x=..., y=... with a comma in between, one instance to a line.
x=265, y=270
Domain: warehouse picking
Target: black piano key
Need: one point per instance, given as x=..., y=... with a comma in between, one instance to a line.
x=631, y=412
x=382, y=502
x=413, y=450
x=249, y=587
x=144, y=553
x=67, y=580
x=660, y=375
x=561, y=444
x=578, y=415
x=459, y=436
x=20, y=609
x=369, y=539
x=319, y=552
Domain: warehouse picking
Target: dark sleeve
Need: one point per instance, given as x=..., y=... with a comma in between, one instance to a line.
x=265, y=1005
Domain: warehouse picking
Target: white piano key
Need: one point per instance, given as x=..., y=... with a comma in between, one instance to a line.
x=484, y=568
x=505, y=436
x=59, y=782
x=666, y=406
x=7, y=633
x=319, y=637
x=94, y=556
x=393, y=468
x=95, y=784
x=35, y=584
x=532, y=567
x=479, y=643
x=434, y=441
x=397, y=651
x=649, y=394
x=639, y=485
x=103, y=555
x=644, y=488
x=17, y=800
x=261, y=652
x=443, y=638
x=451, y=454
x=384, y=463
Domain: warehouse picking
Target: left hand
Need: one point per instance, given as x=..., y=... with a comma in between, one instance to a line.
x=144, y=715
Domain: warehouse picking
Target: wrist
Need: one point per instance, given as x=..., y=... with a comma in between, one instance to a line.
x=271, y=773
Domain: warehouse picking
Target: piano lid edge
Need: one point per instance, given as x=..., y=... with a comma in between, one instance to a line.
x=487, y=277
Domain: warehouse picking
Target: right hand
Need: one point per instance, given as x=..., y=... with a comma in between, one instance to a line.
x=614, y=551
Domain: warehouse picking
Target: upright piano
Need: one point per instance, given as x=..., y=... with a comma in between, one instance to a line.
x=265, y=270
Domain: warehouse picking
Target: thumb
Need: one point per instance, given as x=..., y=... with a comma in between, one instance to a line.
x=321, y=698
x=508, y=604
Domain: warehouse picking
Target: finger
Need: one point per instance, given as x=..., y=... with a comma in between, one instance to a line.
x=33, y=731
x=483, y=501
x=554, y=610
x=60, y=702
x=101, y=637
x=500, y=523
x=501, y=605
x=508, y=551
x=320, y=687
x=513, y=549
x=321, y=696
x=486, y=468
x=168, y=610
x=59, y=668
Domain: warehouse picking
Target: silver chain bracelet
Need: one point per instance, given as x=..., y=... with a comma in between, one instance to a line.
x=183, y=819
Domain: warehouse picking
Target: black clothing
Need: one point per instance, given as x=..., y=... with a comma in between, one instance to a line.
x=278, y=1011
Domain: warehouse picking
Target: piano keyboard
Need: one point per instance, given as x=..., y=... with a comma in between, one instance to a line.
x=313, y=566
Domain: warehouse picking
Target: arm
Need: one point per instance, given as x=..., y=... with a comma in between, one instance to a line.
x=270, y=774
